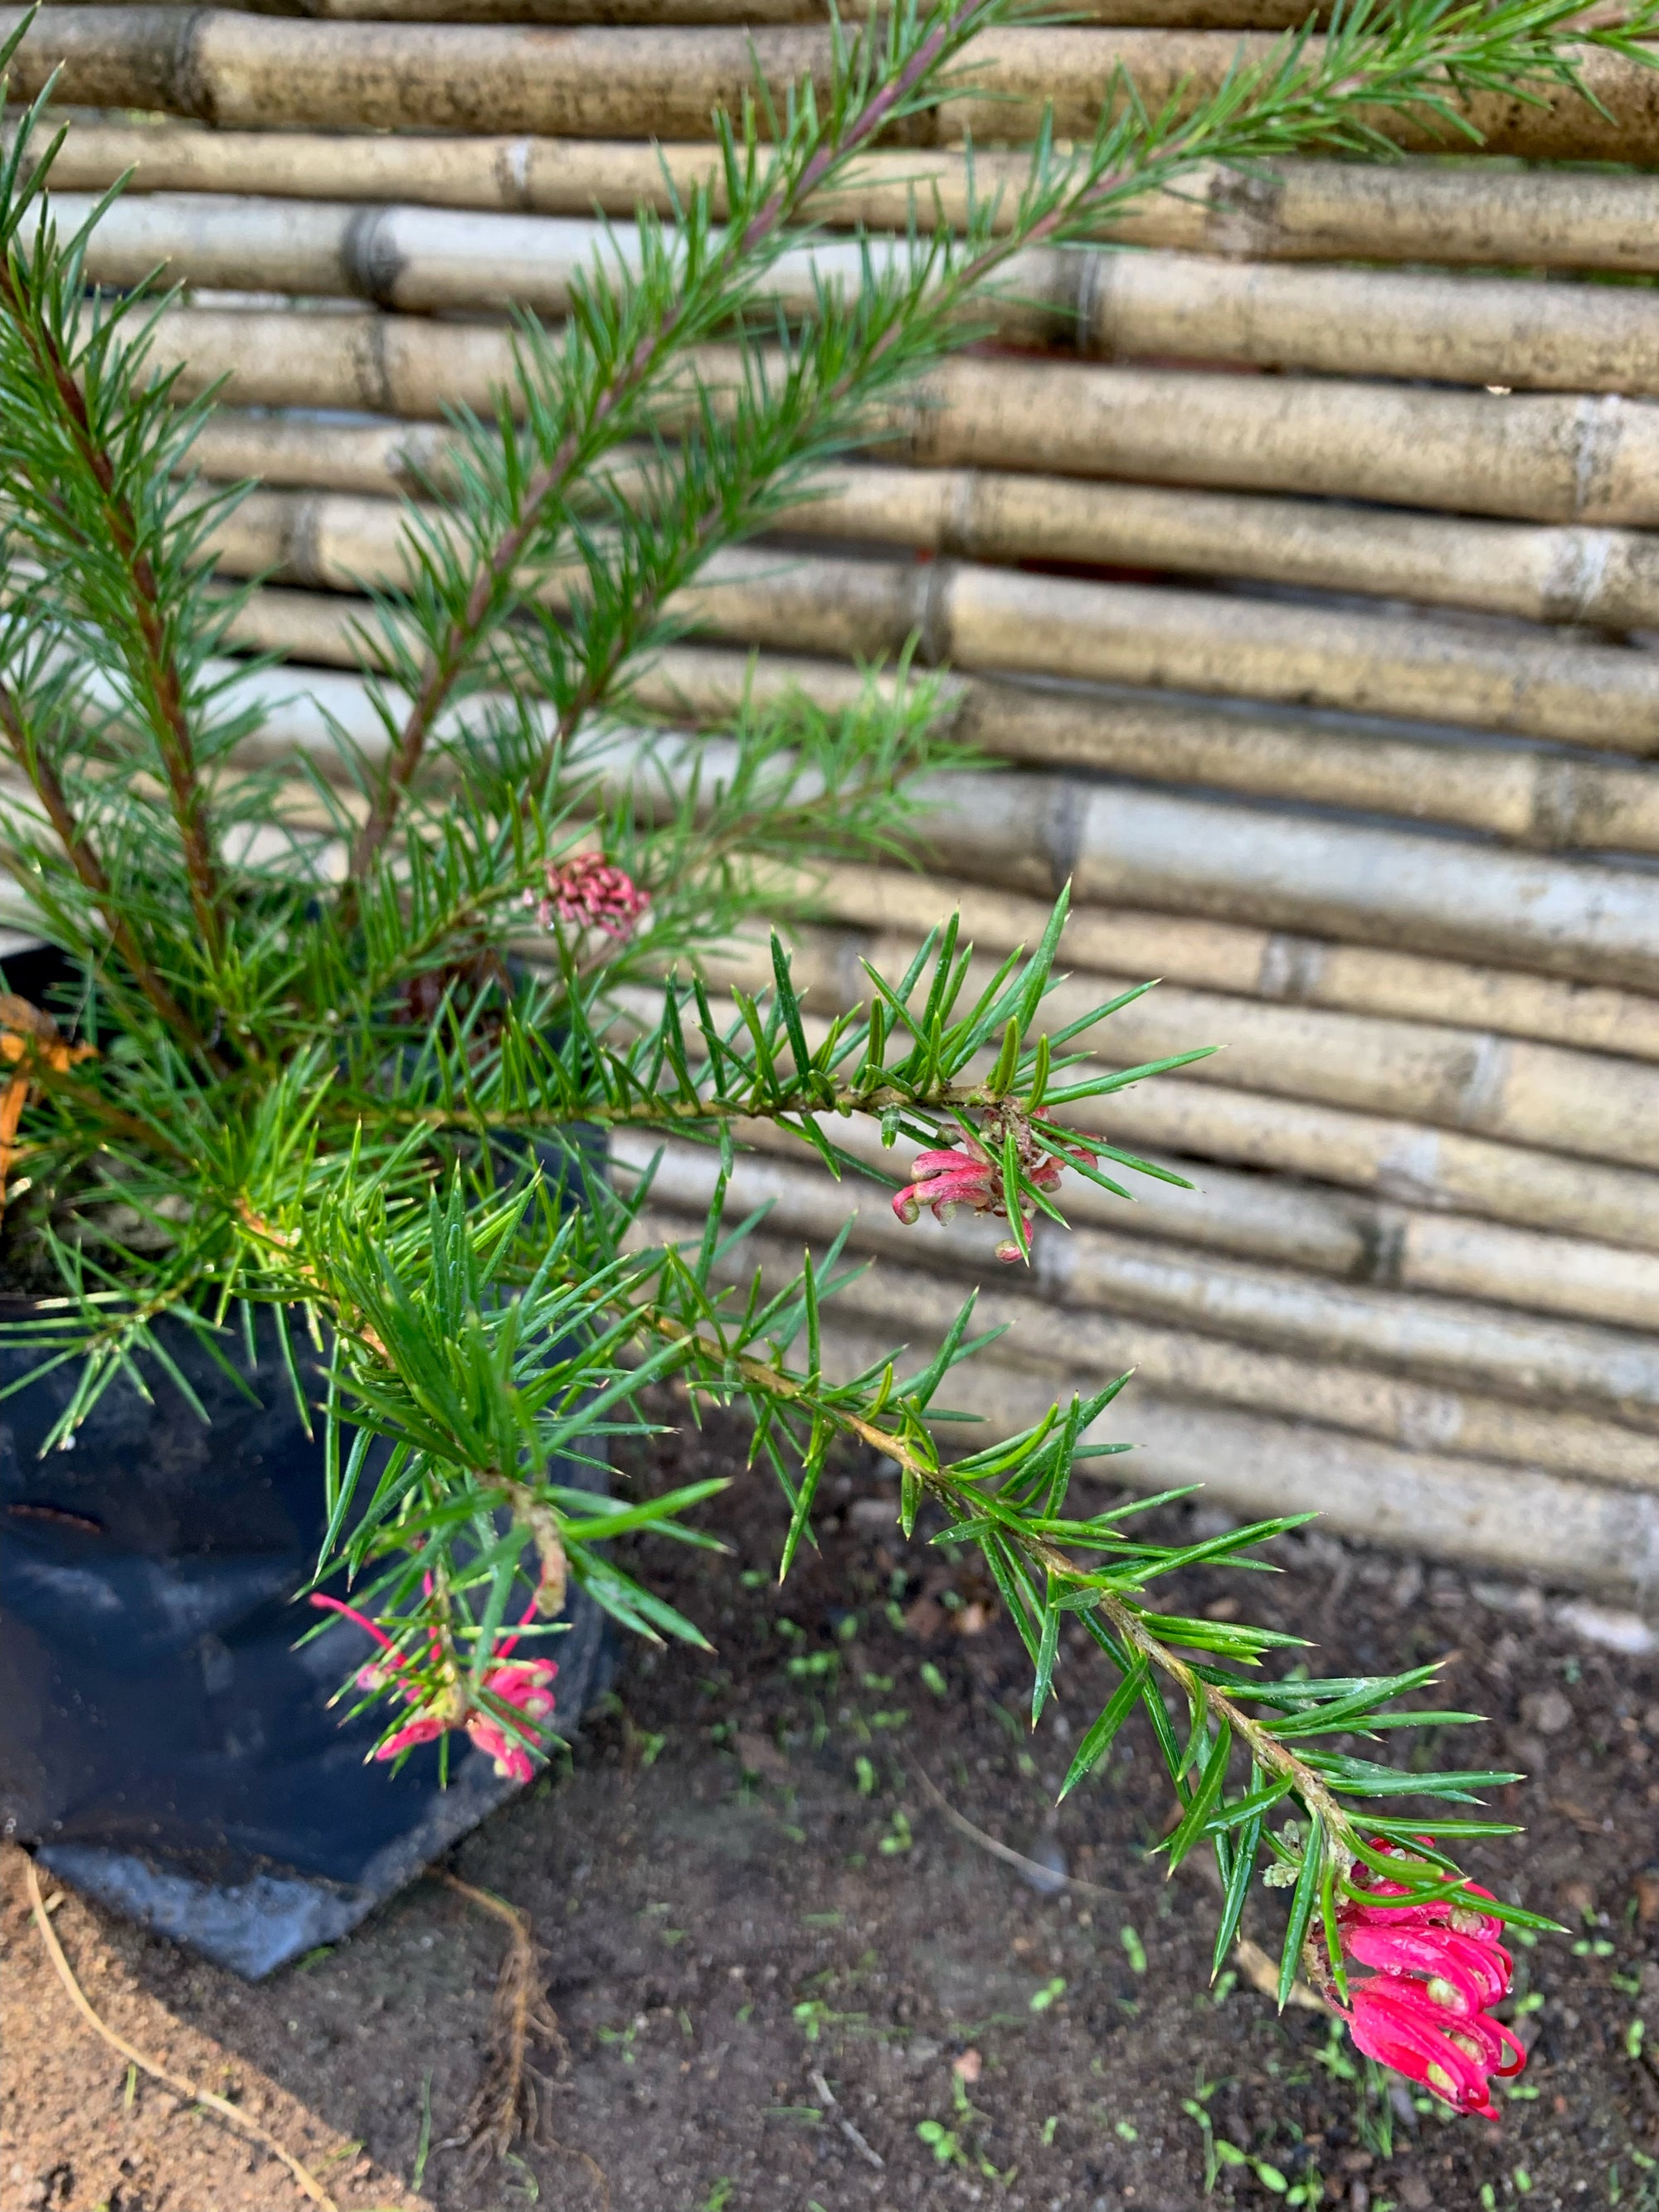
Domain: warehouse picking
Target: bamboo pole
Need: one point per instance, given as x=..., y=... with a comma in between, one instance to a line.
x=1436, y=1169
x=1477, y=213
x=1517, y=1520
x=979, y=617
x=1454, y=1341
x=1433, y=1168
x=1454, y=329
x=1593, y=1105
x=1330, y=1376
x=1540, y=573
x=1537, y=457
x=1608, y=577
x=1118, y=846
x=1527, y=797
x=233, y=69
x=1179, y=14
x=1222, y=956
x=1392, y=1160
x=1289, y=1222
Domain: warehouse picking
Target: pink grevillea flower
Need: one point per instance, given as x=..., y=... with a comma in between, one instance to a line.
x=967, y=1174
x=590, y=892
x=1424, y=2009
x=521, y=1683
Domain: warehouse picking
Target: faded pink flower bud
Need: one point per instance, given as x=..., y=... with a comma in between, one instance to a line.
x=968, y=1175
x=589, y=892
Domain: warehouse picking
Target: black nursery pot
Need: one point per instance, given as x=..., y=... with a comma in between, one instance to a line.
x=164, y=1745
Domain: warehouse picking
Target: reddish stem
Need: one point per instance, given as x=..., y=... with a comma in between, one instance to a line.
x=504, y=1650
x=351, y=1612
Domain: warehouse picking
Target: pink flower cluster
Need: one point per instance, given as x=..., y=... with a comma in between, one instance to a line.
x=1425, y=2009
x=590, y=892
x=521, y=1683
x=967, y=1174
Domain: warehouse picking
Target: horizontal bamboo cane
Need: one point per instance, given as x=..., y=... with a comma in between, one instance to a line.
x=1318, y=1383
x=1402, y=1161
x=1223, y=956
x=1285, y=210
x=1394, y=1160
x=1537, y=799
x=1455, y=1341
x=977, y=617
x=1123, y=847
x=1287, y=1222
x=1179, y=14
x=1453, y=330
x=228, y=68
x=1518, y=1521
x=1535, y=456
x=1541, y=572
x=1594, y=1105
x=980, y=617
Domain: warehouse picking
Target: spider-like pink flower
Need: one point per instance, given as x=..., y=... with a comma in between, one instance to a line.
x=967, y=1174
x=521, y=1683
x=1423, y=2011
x=590, y=892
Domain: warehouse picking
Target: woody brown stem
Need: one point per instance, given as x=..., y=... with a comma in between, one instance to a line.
x=158, y=669
x=47, y=786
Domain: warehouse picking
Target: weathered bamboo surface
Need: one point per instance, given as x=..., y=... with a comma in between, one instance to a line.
x=228, y=68
x=1597, y=1105
x=1249, y=962
x=1538, y=457
x=1182, y=15
x=1455, y=330
x=1124, y=846
x=1472, y=213
x=977, y=617
x=1431, y=1168
x=1320, y=1230
x=1541, y=572
x=1477, y=1376
x=1518, y=1520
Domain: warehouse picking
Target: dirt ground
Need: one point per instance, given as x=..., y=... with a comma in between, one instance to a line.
x=787, y=1983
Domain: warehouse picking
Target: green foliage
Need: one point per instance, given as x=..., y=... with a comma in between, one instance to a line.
x=324, y=1088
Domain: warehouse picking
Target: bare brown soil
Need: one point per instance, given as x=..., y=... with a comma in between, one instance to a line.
x=785, y=1980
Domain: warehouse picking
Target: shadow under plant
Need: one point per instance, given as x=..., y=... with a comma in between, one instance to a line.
x=787, y=1979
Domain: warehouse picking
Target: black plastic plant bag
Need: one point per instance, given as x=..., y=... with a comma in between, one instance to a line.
x=164, y=1745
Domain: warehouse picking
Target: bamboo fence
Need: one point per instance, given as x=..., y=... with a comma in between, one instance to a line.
x=228, y=68
x=1314, y=1229
x=1608, y=578
x=1272, y=1333
x=1598, y=1105
x=1531, y=682
x=1253, y=962
x=1541, y=457
x=1465, y=213
x=1432, y=1168
x=1222, y=14
x=1341, y=713
x=1515, y=1519
x=1454, y=329
x=1123, y=845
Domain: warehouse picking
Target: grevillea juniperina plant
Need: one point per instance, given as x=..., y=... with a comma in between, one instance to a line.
x=311, y=1068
